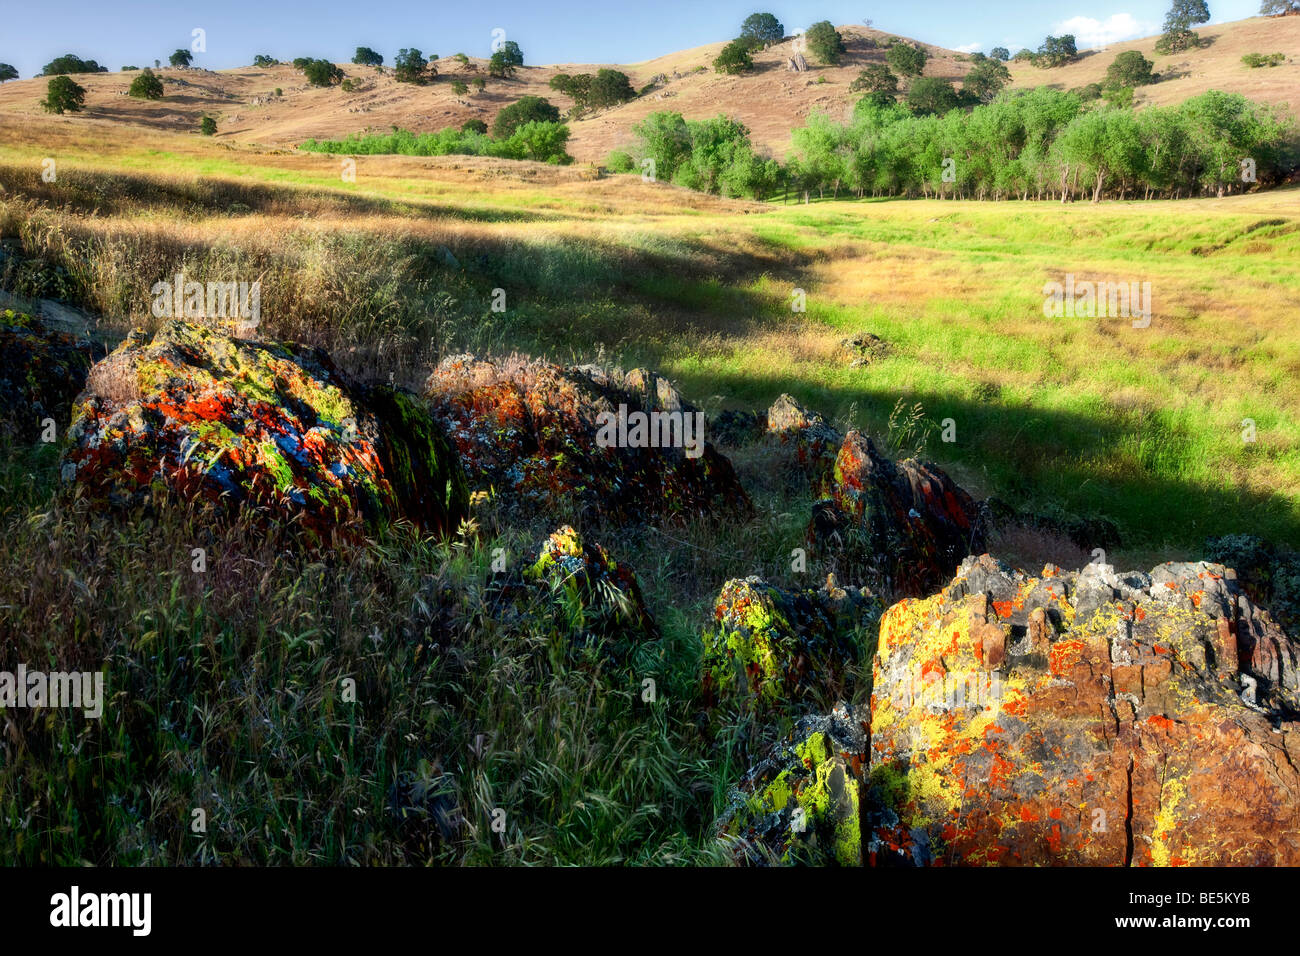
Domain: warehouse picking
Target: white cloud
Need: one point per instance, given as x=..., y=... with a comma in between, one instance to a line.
x=968, y=47
x=1120, y=26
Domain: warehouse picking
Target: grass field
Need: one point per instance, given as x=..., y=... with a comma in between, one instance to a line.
x=230, y=683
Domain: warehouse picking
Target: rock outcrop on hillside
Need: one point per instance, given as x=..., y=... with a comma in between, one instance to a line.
x=899, y=527
x=274, y=429
x=1084, y=718
x=536, y=432
x=41, y=371
x=786, y=650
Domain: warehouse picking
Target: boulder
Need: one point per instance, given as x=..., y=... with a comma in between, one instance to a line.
x=779, y=649
x=41, y=371
x=1083, y=718
x=862, y=349
x=809, y=437
x=801, y=804
x=901, y=527
x=272, y=429
x=584, y=573
x=541, y=435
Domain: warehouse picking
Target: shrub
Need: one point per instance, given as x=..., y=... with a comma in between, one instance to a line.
x=146, y=86
x=479, y=84
x=1257, y=60
x=929, y=94
x=905, y=59
x=322, y=73
x=880, y=85
x=526, y=109
x=208, y=126
x=64, y=95
x=620, y=162
x=68, y=63
x=347, y=86
x=279, y=92
x=825, y=43
x=1130, y=69
x=734, y=59
x=474, y=126
x=459, y=88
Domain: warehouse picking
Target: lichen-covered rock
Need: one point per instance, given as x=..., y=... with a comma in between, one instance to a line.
x=532, y=430
x=272, y=429
x=902, y=527
x=41, y=372
x=1086, y=718
x=812, y=440
x=864, y=348
x=1270, y=574
x=802, y=803
x=782, y=649
x=584, y=573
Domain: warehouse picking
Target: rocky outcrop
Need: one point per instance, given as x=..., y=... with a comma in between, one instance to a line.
x=784, y=650
x=801, y=804
x=1086, y=718
x=1270, y=574
x=900, y=527
x=272, y=429
x=540, y=434
x=41, y=371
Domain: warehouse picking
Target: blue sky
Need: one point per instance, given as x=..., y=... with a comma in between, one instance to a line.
x=118, y=32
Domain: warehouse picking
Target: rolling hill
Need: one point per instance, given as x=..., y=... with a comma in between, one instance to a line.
x=770, y=101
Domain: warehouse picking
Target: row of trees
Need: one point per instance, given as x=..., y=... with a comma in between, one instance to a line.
x=1046, y=143
x=1036, y=144
x=542, y=141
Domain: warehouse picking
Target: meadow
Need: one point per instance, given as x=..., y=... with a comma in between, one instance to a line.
x=229, y=683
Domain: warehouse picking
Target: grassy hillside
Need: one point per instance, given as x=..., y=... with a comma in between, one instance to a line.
x=770, y=101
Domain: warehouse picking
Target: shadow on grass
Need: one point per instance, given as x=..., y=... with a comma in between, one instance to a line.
x=119, y=193
x=1035, y=458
